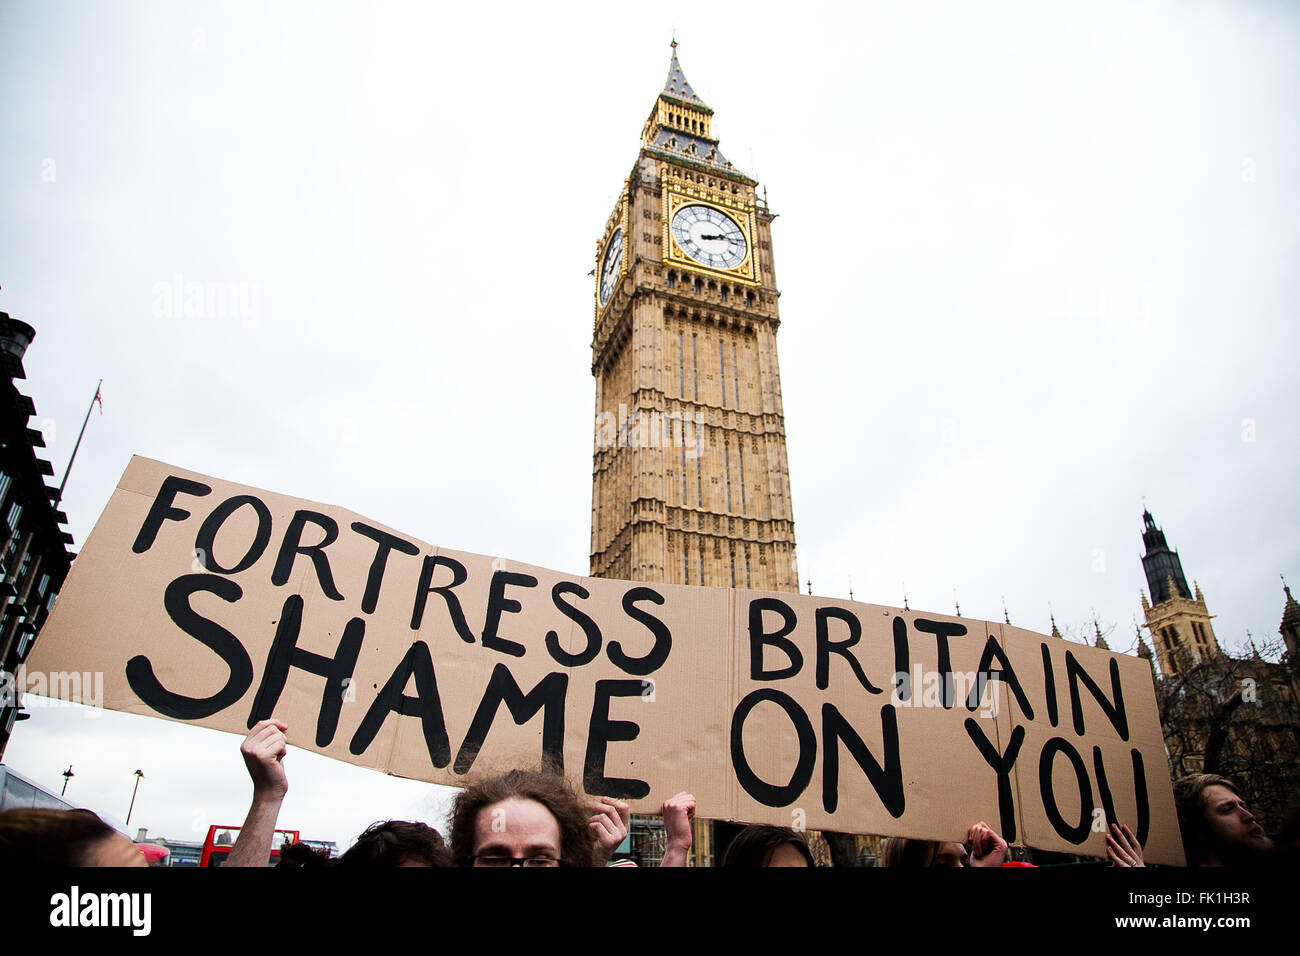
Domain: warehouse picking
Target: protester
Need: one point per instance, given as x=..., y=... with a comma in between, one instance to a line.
x=987, y=849
x=678, y=811
x=61, y=838
x=534, y=819
x=1218, y=829
x=609, y=822
x=757, y=846
x=900, y=853
x=304, y=856
x=1123, y=847
x=397, y=843
x=263, y=750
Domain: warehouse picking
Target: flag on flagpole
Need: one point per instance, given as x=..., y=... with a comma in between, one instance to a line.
x=100, y=400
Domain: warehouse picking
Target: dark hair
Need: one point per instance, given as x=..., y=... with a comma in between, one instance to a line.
x=48, y=838
x=1189, y=797
x=754, y=846
x=552, y=791
x=901, y=853
x=394, y=842
x=304, y=855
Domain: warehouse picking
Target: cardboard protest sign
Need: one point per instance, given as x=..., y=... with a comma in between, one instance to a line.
x=209, y=602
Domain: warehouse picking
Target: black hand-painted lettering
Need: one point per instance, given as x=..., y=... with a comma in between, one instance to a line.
x=993, y=651
x=602, y=732
x=162, y=509
x=887, y=779
x=1143, y=822
x=458, y=577
x=205, y=541
x=1074, y=834
x=589, y=628
x=1115, y=713
x=176, y=600
x=826, y=647
x=285, y=654
x=498, y=604
x=293, y=546
x=1001, y=764
x=942, y=630
x=658, y=653
x=547, y=696
x=1049, y=685
x=1140, y=792
x=384, y=543
x=426, y=704
x=902, y=661
x=1103, y=787
x=770, y=794
x=759, y=639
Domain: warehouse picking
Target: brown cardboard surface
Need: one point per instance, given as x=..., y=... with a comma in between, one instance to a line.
x=499, y=664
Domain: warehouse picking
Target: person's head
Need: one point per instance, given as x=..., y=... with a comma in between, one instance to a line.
x=304, y=855
x=1218, y=828
x=521, y=815
x=397, y=843
x=62, y=838
x=768, y=846
x=917, y=854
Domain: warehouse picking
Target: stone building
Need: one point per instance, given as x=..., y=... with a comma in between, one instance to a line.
x=1235, y=716
x=34, y=556
x=690, y=482
x=1177, y=618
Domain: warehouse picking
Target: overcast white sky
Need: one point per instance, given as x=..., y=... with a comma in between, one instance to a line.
x=1037, y=262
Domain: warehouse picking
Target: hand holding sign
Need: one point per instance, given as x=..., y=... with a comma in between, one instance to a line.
x=678, y=811
x=609, y=825
x=263, y=749
x=986, y=847
x=1123, y=848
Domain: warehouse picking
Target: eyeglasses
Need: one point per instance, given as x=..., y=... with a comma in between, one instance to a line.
x=529, y=862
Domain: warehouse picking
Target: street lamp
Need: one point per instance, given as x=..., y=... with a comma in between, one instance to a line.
x=67, y=775
x=139, y=775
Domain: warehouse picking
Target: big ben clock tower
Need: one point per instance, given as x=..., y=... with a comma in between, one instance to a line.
x=690, y=483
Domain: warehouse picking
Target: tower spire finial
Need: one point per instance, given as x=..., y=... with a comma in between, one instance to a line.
x=1142, y=650
x=1096, y=628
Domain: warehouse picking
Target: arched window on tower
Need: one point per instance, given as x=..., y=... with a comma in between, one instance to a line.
x=672, y=279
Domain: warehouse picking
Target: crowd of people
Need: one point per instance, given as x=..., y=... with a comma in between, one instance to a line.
x=536, y=819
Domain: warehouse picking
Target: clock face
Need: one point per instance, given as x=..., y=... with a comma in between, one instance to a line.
x=609, y=265
x=709, y=236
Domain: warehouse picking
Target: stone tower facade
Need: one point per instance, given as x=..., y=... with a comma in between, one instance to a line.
x=1177, y=618
x=690, y=483
x=1290, y=627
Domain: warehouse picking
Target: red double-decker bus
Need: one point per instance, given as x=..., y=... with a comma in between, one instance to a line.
x=221, y=840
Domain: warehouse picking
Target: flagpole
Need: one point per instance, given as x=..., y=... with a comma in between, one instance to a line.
x=68, y=470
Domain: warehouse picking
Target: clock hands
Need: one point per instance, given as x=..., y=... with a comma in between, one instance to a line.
x=702, y=236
